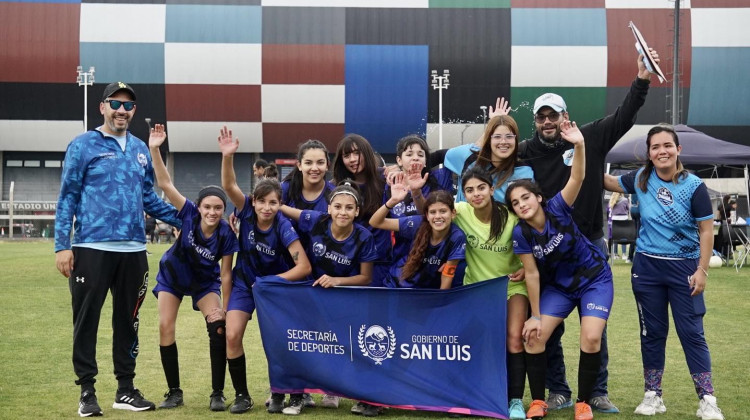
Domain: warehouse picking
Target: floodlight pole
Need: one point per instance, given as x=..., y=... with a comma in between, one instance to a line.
x=85, y=79
x=440, y=83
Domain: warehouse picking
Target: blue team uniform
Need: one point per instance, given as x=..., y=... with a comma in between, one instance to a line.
x=453, y=247
x=572, y=270
x=319, y=204
x=383, y=245
x=332, y=257
x=191, y=266
x=262, y=253
x=667, y=253
x=455, y=160
x=439, y=179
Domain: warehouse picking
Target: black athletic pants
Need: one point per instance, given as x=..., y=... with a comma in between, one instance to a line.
x=95, y=274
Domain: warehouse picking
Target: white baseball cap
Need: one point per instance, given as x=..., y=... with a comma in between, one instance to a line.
x=551, y=100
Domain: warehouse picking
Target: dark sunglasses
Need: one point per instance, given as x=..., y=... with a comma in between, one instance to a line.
x=553, y=117
x=115, y=104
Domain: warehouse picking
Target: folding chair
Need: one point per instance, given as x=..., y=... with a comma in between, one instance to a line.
x=623, y=232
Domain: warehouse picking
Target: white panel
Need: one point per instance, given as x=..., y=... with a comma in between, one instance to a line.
x=38, y=135
x=189, y=136
x=720, y=27
x=645, y=4
x=212, y=64
x=413, y=4
x=574, y=66
x=303, y=103
x=123, y=22
x=453, y=134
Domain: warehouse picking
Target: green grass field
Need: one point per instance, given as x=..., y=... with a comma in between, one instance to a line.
x=36, y=378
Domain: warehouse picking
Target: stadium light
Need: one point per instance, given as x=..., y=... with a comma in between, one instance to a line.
x=440, y=83
x=85, y=79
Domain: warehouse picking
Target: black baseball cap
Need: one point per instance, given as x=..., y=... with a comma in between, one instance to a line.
x=116, y=86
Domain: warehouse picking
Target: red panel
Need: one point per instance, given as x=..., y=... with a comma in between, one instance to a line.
x=39, y=42
x=562, y=4
x=656, y=27
x=213, y=103
x=718, y=3
x=303, y=64
x=286, y=137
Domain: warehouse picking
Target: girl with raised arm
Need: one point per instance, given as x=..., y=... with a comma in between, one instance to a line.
x=269, y=245
x=191, y=267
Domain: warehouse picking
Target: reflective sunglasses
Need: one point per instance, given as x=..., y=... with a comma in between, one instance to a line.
x=115, y=104
x=553, y=117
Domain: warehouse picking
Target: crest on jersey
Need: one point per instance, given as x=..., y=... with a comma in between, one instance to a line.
x=664, y=196
x=318, y=249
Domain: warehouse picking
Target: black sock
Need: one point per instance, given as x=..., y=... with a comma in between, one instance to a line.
x=170, y=364
x=217, y=347
x=238, y=373
x=88, y=387
x=516, y=375
x=588, y=369
x=125, y=385
x=536, y=368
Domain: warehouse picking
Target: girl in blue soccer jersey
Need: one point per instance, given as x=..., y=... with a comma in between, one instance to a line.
x=497, y=154
x=191, y=267
x=306, y=188
x=342, y=252
x=573, y=271
x=355, y=159
x=269, y=245
x=670, y=267
x=437, y=245
x=412, y=152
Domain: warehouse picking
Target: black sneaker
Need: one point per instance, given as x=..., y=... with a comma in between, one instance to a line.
x=308, y=400
x=296, y=402
x=241, y=404
x=88, y=406
x=132, y=400
x=172, y=399
x=371, y=410
x=276, y=405
x=217, y=401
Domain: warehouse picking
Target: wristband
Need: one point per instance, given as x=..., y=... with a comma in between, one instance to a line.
x=535, y=317
x=704, y=271
x=386, y=206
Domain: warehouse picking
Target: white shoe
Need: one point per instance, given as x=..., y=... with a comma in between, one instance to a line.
x=625, y=257
x=651, y=405
x=329, y=401
x=708, y=410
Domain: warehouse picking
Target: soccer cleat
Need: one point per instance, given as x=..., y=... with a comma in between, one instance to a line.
x=276, y=403
x=308, y=400
x=650, y=405
x=172, y=399
x=88, y=406
x=603, y=404
x=515, y=410
x=329, y=401
x=708, y=410
x=583, y=412
x=537, y=410
x=558, y=401
x=218, y=402
x=132, y=400
x=242, y=403
x=296, y=402
x=358, y=408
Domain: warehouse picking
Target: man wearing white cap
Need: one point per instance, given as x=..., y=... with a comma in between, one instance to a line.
x=550, y=157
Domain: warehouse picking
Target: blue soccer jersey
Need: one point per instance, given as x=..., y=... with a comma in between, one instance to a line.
x=319, y=204
x=263, y=253
x=332, y=257
x=439, y=179
x=456, y=158
x=669, y=214
x=453, y=247
x=566, y=259
x=192, y=263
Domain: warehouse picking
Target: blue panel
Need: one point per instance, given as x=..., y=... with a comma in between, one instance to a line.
x=386, y=92
x=538, y=27
x=719, y=88
x=129, y=62
x=210, y=23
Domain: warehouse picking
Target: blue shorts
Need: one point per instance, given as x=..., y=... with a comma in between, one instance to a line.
x=594, y=299
x=241, y=298
x=164, y=286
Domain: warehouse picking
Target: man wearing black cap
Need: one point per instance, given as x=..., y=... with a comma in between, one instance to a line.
x=107, y=184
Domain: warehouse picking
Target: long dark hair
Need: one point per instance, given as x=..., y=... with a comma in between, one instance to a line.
x=294, y=178
x=424, y=233
x=373, y=195
x=266, y=186
x=505, y=168
x=681, y=171
x=499, y=211
x=531, y=186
